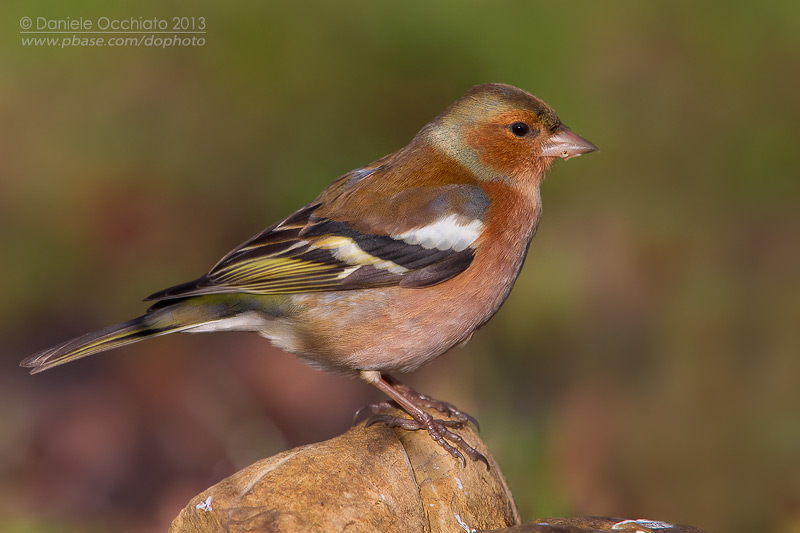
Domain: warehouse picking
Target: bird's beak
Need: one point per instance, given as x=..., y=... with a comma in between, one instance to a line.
x=565, y=144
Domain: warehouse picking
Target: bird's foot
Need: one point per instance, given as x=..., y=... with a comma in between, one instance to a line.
x=448, y=409
x=412, y=403
x=439, y=430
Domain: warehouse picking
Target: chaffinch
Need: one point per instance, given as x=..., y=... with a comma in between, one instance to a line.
x=392, y=265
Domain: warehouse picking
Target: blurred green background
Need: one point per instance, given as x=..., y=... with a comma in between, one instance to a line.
x=646, y=364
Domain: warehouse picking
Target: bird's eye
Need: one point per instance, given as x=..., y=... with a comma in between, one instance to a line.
x=520, y=129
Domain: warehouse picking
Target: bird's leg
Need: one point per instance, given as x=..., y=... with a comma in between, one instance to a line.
x=410, y=401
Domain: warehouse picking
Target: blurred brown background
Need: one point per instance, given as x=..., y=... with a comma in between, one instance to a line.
x=646, y=364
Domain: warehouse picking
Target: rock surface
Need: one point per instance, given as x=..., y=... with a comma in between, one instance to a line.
x=369, y=479
x=378, y=479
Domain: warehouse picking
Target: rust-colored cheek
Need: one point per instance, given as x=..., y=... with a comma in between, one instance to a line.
x=500, y=153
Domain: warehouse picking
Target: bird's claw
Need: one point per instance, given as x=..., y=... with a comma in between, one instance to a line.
x=448, y=409
x=412, y=402
x=426, y=401
x=439, y=430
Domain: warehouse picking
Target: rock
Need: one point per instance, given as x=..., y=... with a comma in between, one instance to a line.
x=369, y=479
x=378, y=479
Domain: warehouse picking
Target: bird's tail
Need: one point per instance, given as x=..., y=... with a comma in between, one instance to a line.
x=154, y=323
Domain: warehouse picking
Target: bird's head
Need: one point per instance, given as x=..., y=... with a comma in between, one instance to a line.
x=501, y=132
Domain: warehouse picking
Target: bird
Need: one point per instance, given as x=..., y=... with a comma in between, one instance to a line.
x=393, y=264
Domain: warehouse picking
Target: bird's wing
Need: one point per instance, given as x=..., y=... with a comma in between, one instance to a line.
x=307, y=252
